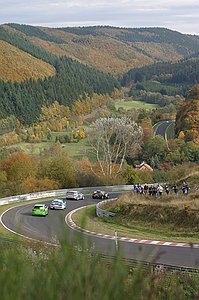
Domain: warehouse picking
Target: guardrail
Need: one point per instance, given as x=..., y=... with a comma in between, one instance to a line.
x=101, y=213
x=58, y=193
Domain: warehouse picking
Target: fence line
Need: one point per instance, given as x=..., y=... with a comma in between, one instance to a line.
x=58, y=193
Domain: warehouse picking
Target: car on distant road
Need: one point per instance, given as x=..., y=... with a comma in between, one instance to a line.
x=98, y=194
x=74, y=195
x=58, y=204
x=40, y=210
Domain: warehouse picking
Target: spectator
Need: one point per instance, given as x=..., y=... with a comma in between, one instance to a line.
x=159, y=189
x=167, y=189
x=154, y=190
x=175, y=189
x=150, y=190
x=185, y=188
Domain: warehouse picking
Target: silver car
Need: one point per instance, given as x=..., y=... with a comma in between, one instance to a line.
x=58, y=204
x=74, y=195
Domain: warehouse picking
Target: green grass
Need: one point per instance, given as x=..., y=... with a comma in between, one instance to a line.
x=170, y=131
x=135, y=105
x=87, y=218
x=65, y=273
x=76, y=150
x=33, y=148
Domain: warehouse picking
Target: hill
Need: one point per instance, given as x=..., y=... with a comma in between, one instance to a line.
x=110, y=49
x=20, y=65
x=72, y=80
x=173, y=78
x=63, y=64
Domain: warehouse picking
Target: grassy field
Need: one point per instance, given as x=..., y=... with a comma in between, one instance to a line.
x=135, y=105
x=76, y=150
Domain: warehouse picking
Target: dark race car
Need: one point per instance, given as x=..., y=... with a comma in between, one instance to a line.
x=100, y=195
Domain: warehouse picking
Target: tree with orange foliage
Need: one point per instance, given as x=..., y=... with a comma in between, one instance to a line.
x=19, y=166
x=32, y=184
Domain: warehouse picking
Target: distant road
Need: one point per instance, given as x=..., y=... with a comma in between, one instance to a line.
x=161, y=129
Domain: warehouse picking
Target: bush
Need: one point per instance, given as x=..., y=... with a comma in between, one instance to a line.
x=75, y=273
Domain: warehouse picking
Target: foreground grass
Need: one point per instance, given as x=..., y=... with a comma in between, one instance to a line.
x=64, y=273
x=138, y=218
x=135, y=105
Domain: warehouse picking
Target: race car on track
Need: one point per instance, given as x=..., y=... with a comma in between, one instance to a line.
x=40, y=210
x=74, y=195
x=58, y=204
x=100, y=195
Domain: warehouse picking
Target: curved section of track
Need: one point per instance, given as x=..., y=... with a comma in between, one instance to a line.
x=162, y=128
x=52, y=228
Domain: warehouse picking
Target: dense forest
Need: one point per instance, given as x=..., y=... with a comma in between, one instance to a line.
x=111, y=49
x=186, y=43
x=173, y=77
x=24, y=100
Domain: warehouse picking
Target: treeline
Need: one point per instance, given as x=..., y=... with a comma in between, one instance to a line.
x=187, y=118
x=184, y=72
x=34, y=31
x=24, y=100
x=185, y=44
x=53, y=169
x=24, y=44
x=54, y=117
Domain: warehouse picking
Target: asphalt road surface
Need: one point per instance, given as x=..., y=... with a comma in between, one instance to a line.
x=53, y=228
x=162, y=128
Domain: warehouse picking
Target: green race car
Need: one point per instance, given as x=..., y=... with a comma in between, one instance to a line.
x=40, y=210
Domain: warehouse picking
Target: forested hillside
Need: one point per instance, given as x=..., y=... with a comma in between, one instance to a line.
x=187, y=119
x=111, y=49
x=181, y=75
x=24, y=100
x=20, y=65
x=73, y=62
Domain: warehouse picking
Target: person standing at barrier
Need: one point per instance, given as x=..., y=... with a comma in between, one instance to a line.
x=159, y=189
x=175, y=189
x=185, y=188
x=167, y=189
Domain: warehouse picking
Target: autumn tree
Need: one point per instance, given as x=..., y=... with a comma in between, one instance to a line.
x=187, y=118
x=111, y=139
x=60, y=169
x=19, y=166
x=32, y=184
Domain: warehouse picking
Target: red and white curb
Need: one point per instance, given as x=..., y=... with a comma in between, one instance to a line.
x=69, y=221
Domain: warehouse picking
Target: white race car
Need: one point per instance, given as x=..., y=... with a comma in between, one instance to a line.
x=58, y=204
x=74, y=195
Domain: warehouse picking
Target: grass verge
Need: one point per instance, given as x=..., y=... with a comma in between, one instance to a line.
x=87, y=219
x=170, y=131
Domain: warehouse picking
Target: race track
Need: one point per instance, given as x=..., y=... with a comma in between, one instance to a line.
x=53, y=228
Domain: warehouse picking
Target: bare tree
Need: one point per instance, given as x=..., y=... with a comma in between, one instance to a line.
x=110, y=139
